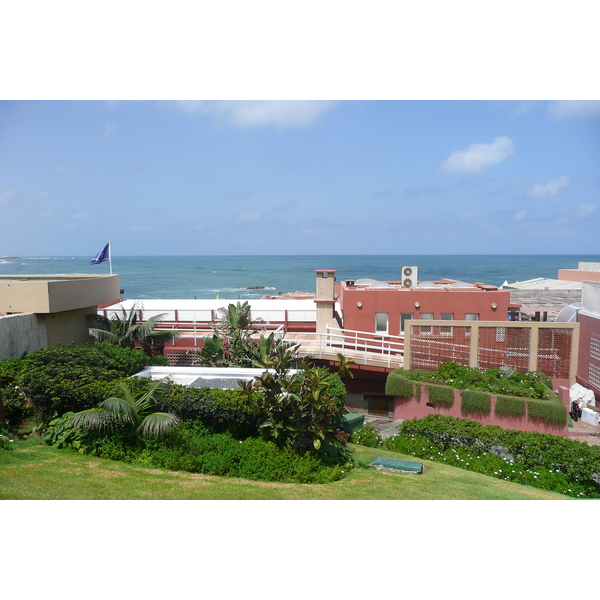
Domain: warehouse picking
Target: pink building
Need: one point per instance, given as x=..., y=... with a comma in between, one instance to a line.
x=382, y=307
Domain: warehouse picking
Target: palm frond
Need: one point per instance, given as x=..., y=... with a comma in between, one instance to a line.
x=120, y=410
x=147, y=400
x=93, y=418
x=104, y=336
x=157, y=425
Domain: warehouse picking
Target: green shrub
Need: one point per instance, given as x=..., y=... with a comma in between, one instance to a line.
x=366, y=436
x=504, y=380
x=546, y=460
x=219, y=410
x=440, y=395
x=474, y=402
x=397, y=384
x=553, y=413
x=509, y=406
x=75, y=378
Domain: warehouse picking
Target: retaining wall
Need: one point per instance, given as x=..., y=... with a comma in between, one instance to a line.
x=411, y=408
x=22, y=333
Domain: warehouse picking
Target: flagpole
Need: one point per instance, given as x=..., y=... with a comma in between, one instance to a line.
x=110, y=257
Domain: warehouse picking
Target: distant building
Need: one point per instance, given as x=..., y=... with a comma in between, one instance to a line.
x=382, y=307
x=588, y=368
x=40, y=311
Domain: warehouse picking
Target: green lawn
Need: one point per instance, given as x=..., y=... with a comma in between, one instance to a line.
x=34, y=471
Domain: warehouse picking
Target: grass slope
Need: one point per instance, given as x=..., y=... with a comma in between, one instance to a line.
x=34, y=471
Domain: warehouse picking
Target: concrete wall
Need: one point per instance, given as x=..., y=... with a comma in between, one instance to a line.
x=22, y=333
x=69, y=326
x=55, y=293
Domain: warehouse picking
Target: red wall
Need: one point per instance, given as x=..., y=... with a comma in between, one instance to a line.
x=436, y=301
x=411, y=408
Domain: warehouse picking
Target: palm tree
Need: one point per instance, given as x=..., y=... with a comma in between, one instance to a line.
x=130, y=408
x=128, y=330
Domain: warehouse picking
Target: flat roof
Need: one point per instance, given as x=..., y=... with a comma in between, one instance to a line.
x=541, y=283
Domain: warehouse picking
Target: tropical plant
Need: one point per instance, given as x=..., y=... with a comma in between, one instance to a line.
x=295, y=407
x=233, y=344
x=132, y=409
x=128, y=330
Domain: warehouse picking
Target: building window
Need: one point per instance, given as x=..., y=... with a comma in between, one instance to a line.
x=381, y=323
x=426, y=317
x=404, y=317
x=446, y=317
x=470, y=317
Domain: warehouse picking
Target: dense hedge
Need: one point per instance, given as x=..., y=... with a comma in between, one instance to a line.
x=547, y=411
x=474, y=402
x=74, y=378
x=398, y=384
x=509, y=406
x=549, y=460
x=440, y=395
x=219, y=410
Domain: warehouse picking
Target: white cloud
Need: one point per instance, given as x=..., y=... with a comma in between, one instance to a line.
x=550, y=188
x=6, y=196
x=583, y=210
x=249, y=217
x=520, y=215
x=255, y=113
x=567, y=109
x=478, y=156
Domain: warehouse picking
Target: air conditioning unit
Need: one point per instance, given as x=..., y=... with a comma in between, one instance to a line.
x=409, y=276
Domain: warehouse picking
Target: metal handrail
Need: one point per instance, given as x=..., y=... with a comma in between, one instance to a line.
x=362, y=344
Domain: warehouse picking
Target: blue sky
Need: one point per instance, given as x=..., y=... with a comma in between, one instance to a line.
x=299, y=177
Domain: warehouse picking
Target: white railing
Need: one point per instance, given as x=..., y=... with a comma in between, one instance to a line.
x=363, y=346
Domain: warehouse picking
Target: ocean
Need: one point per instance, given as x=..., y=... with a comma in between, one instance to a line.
x=156, y=277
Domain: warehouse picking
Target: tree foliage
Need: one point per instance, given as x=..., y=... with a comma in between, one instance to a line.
x=75, y=378
x=234, y=342
x=128, y=330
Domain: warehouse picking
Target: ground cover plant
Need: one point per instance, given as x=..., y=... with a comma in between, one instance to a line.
x=538, y=459
x=366, y=436
x=36, y=471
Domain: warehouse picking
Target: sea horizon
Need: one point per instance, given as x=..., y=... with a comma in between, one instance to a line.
x=251, y=276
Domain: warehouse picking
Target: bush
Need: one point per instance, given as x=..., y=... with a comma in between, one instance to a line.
x=75, y=378
x=474, y=402
x=398, y=384
x=366, y=436
x=509, y=406
x=440, y=395
x=547, y=411
x=538, y=459
x=219, y=410
x=504, y=380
